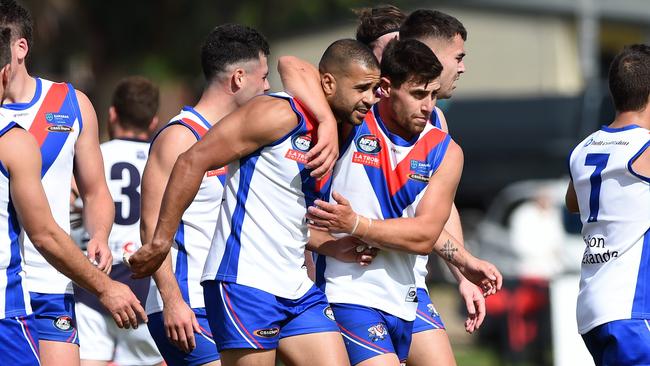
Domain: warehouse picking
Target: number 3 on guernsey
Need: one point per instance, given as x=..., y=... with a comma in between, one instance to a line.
x=600, y=162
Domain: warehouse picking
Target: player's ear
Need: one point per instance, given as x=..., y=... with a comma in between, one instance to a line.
x=385, y=86
x=328, y=82
x=20, y=48
x=112, y=115
x=153, y=124
x=237, y=79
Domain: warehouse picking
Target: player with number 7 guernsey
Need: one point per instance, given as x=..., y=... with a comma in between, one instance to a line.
x=610, y=187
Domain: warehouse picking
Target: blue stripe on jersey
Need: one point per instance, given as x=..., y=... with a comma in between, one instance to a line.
x=180, y=271
x=23, y=106
x=321, y=264
x=641, y=304
x=198, y=115
x=75, y=105
x=230, y=261
x=618, y=129
x=53, y=143
x=435, y=119
x=14, y=300
x=629, y=163
x=222, y=179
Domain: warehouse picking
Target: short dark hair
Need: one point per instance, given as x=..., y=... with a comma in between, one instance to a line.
x=228, y=44
x=424, y=23
x=16, y=18
x=136, y=100
x=409, y=60
x=5, y=47
x=345, y=51
x=377, y=21
x=629, y=78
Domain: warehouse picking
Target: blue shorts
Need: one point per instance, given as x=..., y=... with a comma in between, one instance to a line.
x=369, y=332
x=426, y=318
x=19, y=341
x=55, y=319
x=205, y=350
x=246, y=317
x=620, y=343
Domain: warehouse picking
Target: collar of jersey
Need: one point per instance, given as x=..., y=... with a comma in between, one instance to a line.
x=23, y=106
x=618, y=129
x=397, y=140
x=207, y=124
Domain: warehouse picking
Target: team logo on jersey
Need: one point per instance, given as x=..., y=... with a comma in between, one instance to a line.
x=368, y=144
x=301, y=145
x=329, y=313
x=432, y=310
x=63, y=323
x=58, y=118
x=420, y=167
x=377, y=332
x=141, y=155
x=267, y=333
x=412, y=294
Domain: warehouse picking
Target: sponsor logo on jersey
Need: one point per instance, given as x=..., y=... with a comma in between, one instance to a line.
x=591, y=141
x=329, y=313
x=596, y=251
x=412, y=294
x=368, y=144
x=419, y=177
x=60, y=128
x=63, y=323
x=141, y=155
x=57, y=118
x=377, y=332
x=216, y=172
x=365, y=159
x=267, y=333
x=420, y=167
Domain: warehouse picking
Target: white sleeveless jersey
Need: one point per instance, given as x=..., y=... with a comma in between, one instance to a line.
x=261, y=233
x=14, y=298
x=422, y=260
x=614, y=206
x=124, y=161
x=194, y=236
x=384, y=177
x=54, y=119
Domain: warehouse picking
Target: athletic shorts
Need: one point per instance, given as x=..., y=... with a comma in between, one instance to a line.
x=620, y=343
x=426, y=318
x=246, y=317
x=205, y=351
x=369, y=332
x=55, y=317
x=102, y=340
x=19, y=341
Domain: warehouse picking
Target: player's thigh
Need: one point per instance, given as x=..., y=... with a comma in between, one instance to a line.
x=96, y=341
x=247, y=357
x=18, y=341
x=431, y=348
x=314, y=349
x=55, y=353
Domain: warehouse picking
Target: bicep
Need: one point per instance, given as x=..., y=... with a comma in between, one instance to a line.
x=571, y=199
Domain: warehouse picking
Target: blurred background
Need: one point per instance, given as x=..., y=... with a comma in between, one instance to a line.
x=535, y=86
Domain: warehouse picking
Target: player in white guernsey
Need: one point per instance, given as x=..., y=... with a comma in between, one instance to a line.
x=610, y=188
x=23, y=205
x=64, y=124
x=413, y=170
x=232, y=54
x=258, y=296
x=132, y=118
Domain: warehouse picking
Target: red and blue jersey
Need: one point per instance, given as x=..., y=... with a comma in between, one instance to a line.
x=383, y=176
x=54, y=119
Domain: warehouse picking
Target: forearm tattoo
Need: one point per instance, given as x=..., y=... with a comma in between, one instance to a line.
x=449, y=250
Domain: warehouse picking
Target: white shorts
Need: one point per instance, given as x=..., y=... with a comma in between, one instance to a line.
x=101, y=340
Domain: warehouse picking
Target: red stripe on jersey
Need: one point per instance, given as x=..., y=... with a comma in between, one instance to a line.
x=200, y=129
x=51, y=103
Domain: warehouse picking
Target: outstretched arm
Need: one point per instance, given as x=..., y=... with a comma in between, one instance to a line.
x=99, y=209
x=302, y=80
x=266, y=118
x=21, y=155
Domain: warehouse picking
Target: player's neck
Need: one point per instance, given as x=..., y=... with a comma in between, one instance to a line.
x=21, y=88
x=215, y=104
x=386, y=114
x=127, y=134
x=639, y=118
